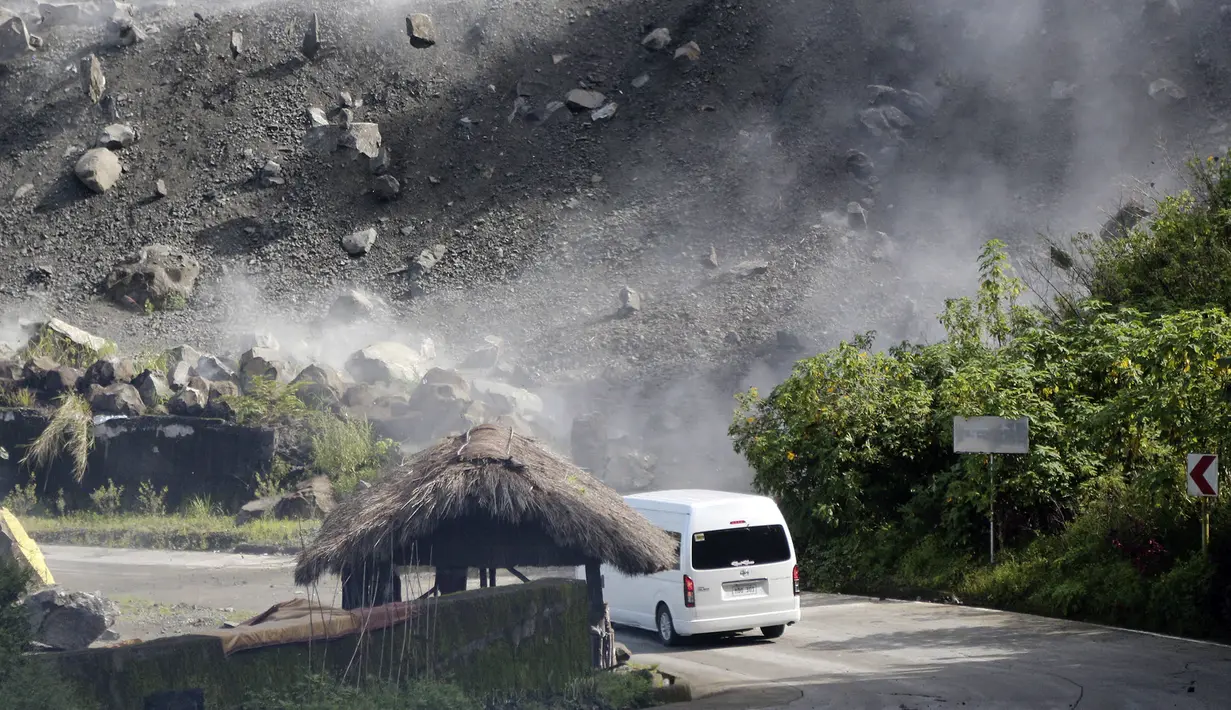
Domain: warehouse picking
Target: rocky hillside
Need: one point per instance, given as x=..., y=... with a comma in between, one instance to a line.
x=651, y=203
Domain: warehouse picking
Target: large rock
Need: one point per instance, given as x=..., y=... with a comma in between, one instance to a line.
x=98, y=169
x=61, y=380
x=160, y=275
x=319, y=387
x=189, y=401
x=34, y=374
x=93, y=81
x=106, y=372
x=359, y=243
x=16, y=546
x=120, y=398
x=213, y=369
x=59, y=335
x=421, y=31
x=153, y=388
x=311, y=499
x=266, y=363
x=388, y=362
x=14, y=40
x=352, y=305
x=507, y=399
x=69, y=621
x=362, y=138
x=442, y=399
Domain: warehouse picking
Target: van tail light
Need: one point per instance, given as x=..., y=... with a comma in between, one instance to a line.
x=795, y=579
x=690, y=592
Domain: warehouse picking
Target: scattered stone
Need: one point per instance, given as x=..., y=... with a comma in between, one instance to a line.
x=421, y=31
x=237, y=44
x=363, y=138
x=607, y=111
x=427, y=259
x=859, y=165
x=159, y=275
x=317, y=117
x=120, y=398
x=711, y=259
x=387, y=187
x=93, y=82
x=641, y=81
x=124, y=32
x=856, y=216
x=913, y=104
x=359, y=243
x=748, y=269
x=116, y=136
x=160, y=188
x=380, y=164
x=584, y=100
x=16, y=546
x=99, y=169
x=1124, y=220
x=657, y=40
x=69, y=621
x=14, y=40
x=690, y=50
x=24, y=189
x=630, y=302
x=350, y=306
x=270, y=174
x=312, y=38
x=152, y=387
x=1166, y=91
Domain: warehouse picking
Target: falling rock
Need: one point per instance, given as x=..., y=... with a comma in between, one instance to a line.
x=160, y=188
x=856, y=216
x=61, y=380
x=691, y=50
x=1125, y=219
x=387, y=187
x=213, y=369
x=859, y=165
x=657, y=40
x=312, y=38
x=1062, y=90
x=117, y=136
x=427, y=259
x=588, y=443
x=875, y=121
x=640, y=81
x=1166, y=91
x=180, y=374
x=317, y=117
x=345, y=100
x=363, y=138
x=270, y=174
x=68, y=621
x=390, y=362
x=14, y=40
x=359, y=243
x=421, y=31
x=124, y=33
x=584, y=100
x=183, y=353
x=351, y=305
x=711, y=259
x=380, y=164
x=630, y=301
x=266, y=363
x=748, y=269
x=160, y=275
x=322, y=139
x=486, y=356
x=258, y=339
x=93, y=82
x=99, y=169
x=105, y=372
x=911, y=103
x=237, y=44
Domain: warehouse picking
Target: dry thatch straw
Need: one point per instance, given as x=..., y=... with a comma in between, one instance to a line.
x=488, y=498
x=70, y=431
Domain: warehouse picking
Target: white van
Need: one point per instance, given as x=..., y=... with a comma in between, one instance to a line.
x=735, y=571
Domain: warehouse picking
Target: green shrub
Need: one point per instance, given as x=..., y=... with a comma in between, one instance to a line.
x=108, y=499
x=347, y=450
x=266, y=402
x=22, y=499
x=151, y=500
x=200, y=507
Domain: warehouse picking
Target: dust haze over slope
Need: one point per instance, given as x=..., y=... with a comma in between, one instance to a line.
x=743, y=150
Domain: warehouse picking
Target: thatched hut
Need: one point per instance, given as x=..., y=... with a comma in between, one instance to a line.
x=488, y=498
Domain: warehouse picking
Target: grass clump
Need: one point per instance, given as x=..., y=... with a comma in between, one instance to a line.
x=347, y=450
x=192, y=530
x=20, y=398
x=64, y=351
x=108, y=499
x=70, y=432
x=266, y=402
x=22, y=499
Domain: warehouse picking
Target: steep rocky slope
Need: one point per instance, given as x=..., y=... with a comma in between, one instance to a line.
x=1030, y=115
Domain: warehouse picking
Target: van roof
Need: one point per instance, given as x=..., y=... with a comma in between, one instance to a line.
x=698, y=498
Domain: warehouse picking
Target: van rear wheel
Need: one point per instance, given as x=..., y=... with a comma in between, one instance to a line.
x=666, y=626
x=773, y=632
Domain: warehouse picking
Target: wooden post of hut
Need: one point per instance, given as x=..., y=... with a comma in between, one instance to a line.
x=602, y=642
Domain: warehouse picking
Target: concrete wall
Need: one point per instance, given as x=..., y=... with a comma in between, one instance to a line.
x=188, y=455
x=528, y=637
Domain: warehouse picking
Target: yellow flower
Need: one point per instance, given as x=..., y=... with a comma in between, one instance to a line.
x=790, y=456
x=751, y=419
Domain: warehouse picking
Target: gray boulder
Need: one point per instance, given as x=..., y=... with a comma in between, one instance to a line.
x=362, y=138
x=93, y=82
x=152, y=387
x=188, y=402
x=266, y=363
x=162, y=276
x=98, y=169
x=68, y=621
x=352, y=305
x=14, y=39
x=359, y=243
x=106, y=372
x=389, y=362
x=319, y=387
x=120, y=398
x=584, y=100
x=116, y=136
x=421, y=31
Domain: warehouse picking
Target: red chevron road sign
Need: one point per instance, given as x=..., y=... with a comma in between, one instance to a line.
x=1203, y=475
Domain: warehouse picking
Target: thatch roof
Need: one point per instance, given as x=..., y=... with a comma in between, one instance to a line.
x=488, y=498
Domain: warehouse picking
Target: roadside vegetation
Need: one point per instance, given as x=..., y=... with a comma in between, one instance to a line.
x=186, y=531
x=618, y=690
x=1123, y=369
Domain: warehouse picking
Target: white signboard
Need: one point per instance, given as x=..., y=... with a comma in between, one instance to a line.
x=1203, y=475
x=991, y=435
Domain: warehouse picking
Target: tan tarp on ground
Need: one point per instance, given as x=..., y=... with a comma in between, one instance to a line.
x=300, y=621
x=15, y=543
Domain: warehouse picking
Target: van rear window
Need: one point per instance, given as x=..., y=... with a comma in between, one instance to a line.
x=740, y=547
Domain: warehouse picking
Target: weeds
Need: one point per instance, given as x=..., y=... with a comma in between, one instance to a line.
x=266, y=402
x=274, y=482
x=108, y=499
x=20, y=398
x=200, y=507
x=64, y=351
x=169, y=532
x=346, y=450
x=150, y=500
x=70, y=432
x=154, y=362
x=175, y=302
x=22, y=499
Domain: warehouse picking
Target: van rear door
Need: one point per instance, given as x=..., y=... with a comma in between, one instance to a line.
x=742, y=569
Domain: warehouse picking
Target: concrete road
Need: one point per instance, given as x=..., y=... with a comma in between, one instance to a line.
x=853, y=653
x=847, y=652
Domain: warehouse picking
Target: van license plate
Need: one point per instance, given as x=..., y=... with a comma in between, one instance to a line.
x=746, y=589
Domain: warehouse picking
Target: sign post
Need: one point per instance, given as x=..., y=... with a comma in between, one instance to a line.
x=991, y=436
x=1202, y=482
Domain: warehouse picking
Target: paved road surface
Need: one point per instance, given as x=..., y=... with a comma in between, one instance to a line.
x=848, y=653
